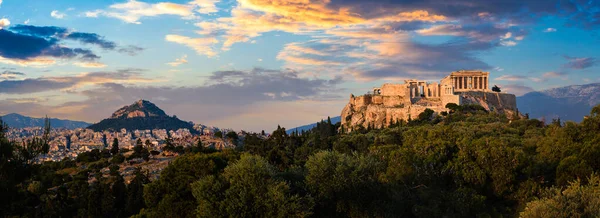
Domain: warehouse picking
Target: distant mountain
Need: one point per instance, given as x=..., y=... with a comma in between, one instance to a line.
x=141, y=115
x=567, y=103
x=334, y=120
x=19, y=121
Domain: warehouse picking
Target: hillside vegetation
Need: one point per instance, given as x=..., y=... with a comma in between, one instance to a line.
x=467, y=163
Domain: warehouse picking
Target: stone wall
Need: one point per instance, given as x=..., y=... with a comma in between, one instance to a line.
x=446, y=99
x=389, y=89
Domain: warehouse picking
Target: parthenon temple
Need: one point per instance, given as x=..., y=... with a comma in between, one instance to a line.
x=447, y=90
x=392, y=102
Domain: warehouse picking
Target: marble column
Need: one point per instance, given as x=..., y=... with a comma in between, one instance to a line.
x=485, y=82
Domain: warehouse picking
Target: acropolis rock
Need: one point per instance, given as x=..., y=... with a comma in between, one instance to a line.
x=395, y=102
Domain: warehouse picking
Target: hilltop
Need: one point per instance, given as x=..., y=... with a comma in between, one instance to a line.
x=15, y=120
x=141, y=115
x=392, y=103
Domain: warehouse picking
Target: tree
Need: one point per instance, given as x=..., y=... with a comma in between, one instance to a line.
x=576, y=200
x=496, y=89
x=249, y=188
x=334, y=179
x=232, y=135
x=135, y=192
x=115, y=146
x=219, y=134
x=171, y=195
x=426, y=115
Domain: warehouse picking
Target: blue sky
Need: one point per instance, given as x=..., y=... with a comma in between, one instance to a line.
x=254, y=64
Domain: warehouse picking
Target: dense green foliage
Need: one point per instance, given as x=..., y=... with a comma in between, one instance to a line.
x=466, y=163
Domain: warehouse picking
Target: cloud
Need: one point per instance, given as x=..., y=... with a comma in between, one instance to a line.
x=4, y=23
x=200, y=45
x=93, y=14
x=42, y=84
x=131, y=50
x=92, y=38
x=548, y=30
x=508, y=43
x=8, y=74
x=516, y=89
x=58, y=15
x=206, y=6
x=38, y=47
x=41, y=31
x=90, y=64
x=45, y=43
x=580, y=63
x=179, y=61
x=511, y=78
x=132, y=11
x=553, y=74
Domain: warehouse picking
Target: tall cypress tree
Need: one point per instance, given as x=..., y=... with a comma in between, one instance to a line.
x=115, y=146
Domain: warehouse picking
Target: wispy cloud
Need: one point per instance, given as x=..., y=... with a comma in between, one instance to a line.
x=8, y=74
x=202, y=46
x=179, y=61
x=57, y=14
x=511, y=78
x=132, y=10
x=42, y=84
x=579, y=63
x=549, y=30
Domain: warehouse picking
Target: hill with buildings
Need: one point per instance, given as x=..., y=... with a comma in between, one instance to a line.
x=141, y=115
x=15, y=120
x=567, y=103
x=391, y=103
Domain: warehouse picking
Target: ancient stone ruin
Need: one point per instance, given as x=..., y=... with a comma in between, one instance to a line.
x=394, y=102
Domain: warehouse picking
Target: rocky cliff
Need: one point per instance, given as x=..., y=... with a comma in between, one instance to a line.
x=140, y=108
x=379, y=111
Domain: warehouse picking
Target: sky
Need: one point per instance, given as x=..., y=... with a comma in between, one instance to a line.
x=256, y=64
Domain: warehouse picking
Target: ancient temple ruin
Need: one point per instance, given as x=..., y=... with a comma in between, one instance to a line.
x=447, y=91
x=392, y=101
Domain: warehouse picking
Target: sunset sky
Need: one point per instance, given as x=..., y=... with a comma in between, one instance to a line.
x=254, y=64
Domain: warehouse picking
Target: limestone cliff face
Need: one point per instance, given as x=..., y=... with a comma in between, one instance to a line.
x=379, y=111
x=141, y=108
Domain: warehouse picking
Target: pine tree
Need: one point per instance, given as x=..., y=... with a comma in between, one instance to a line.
x=115, y=146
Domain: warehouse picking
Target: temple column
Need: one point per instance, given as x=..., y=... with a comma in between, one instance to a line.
x=453, y=81
x=480, y=82
x=485, y=83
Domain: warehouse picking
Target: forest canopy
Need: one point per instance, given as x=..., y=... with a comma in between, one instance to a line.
x=465, y=163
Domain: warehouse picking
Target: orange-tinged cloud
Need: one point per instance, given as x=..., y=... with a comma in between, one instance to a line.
x=90, y=64
x=200, y=45
x=251, y=18
x=33, y=62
